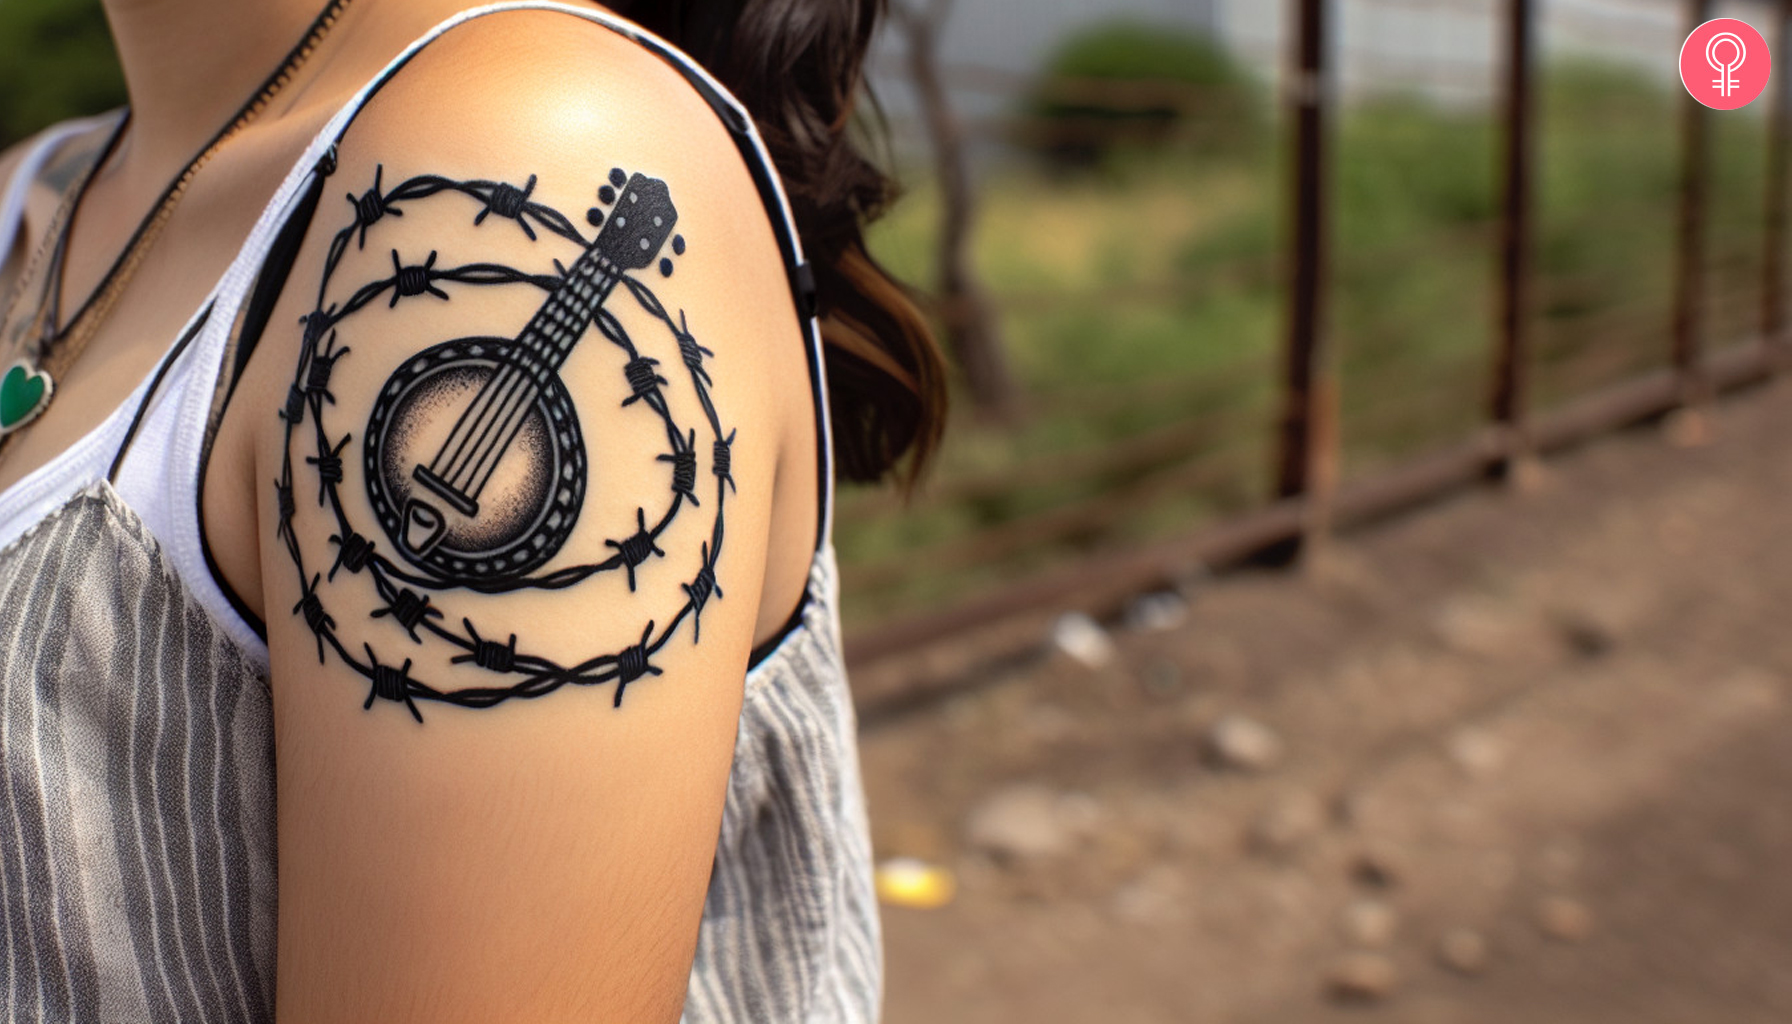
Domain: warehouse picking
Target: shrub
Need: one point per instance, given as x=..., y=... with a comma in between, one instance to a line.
x=1121, y=84
x=56, y=62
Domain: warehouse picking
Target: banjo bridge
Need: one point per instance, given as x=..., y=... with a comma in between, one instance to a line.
x=446, y=491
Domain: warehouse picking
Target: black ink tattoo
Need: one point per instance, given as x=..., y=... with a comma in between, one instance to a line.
x=488, y=654
x=684, y=468
x=632, y=663
x=699, y=592
x=508, y=201
x=452, y=522
x=285, y=504
x=370, y=207
x=317, y=378
x=409, y=609
x=328, y=461
x=352, y=553
x=414, y=280
x=390, y=683
x=636, y=548
x=316, y=619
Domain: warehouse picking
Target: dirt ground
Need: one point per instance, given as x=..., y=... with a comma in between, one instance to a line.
x=1535, y=758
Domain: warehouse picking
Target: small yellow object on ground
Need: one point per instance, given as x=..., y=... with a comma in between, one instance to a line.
x=907, y=882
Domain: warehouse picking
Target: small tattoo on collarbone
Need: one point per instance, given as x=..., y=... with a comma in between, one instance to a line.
x=472, y=456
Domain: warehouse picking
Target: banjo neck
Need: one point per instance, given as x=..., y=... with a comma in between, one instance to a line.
x=543, y=345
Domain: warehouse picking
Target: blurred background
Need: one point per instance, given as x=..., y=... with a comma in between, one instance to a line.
x=1352, y=582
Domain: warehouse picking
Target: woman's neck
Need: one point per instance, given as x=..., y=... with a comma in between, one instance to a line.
x=190, y=64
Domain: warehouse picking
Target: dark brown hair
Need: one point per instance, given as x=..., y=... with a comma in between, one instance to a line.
x=798, y=67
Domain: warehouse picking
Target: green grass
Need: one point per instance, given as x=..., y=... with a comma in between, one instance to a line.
x=1149, y=293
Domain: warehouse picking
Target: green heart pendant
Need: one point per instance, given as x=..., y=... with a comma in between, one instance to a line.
x=24, y=395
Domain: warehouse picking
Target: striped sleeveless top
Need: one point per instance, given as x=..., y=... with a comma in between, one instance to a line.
x=137, y=845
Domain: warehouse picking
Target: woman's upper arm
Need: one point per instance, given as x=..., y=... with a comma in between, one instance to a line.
x=513, y=531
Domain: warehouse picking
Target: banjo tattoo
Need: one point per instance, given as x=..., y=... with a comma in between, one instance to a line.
x=472, y=457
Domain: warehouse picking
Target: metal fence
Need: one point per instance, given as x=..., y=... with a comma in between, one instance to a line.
x=1257, y=458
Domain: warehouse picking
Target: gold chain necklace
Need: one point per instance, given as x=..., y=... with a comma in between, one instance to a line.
x=28, y=385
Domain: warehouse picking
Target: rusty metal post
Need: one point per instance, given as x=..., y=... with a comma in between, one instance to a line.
x=1510, y=368
x=1773, y=266
x=1689, y=276
x=1302, y=388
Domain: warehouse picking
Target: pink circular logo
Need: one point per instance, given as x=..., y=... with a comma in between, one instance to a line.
x=1724, y=63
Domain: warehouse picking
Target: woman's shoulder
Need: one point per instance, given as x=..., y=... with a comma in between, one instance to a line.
x=552, y=112
x=553, y=80
x=64, y=148
x=553, y=95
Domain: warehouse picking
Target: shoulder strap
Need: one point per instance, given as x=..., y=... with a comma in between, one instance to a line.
x=168, y=360
x=18, y=187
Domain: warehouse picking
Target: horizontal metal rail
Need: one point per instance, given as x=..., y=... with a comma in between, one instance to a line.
x=1098, y=584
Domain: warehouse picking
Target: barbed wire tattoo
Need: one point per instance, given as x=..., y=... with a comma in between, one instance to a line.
x=447, y=522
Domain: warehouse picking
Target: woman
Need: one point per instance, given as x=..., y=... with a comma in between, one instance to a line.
x=431, y=442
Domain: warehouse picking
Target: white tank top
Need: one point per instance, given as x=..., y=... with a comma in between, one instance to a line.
x=158, y=476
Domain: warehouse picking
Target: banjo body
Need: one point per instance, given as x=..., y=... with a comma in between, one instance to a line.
x=527, y=507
